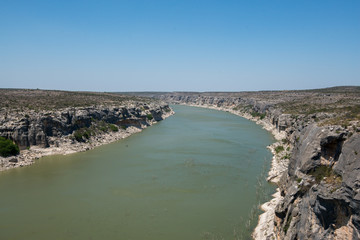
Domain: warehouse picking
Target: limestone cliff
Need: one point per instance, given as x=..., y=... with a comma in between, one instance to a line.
x=32, y=128
x=62, y=130
x=319, y=190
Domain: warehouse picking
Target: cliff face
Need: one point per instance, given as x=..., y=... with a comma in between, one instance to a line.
x=320, y=187
x=33, y=130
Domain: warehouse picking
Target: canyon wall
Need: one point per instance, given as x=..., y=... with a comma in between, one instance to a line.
x=73, y=129
x=320, y=187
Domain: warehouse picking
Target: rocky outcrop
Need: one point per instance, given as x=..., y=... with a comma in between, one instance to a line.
x=33, y=130
x=321, y=186
x=319, y=181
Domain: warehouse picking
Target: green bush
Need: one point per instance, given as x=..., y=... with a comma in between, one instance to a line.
x=149, y=116
x=82, y=133
x=260, y=115
x=78, y=135
x=86, y=134
x=113, y=128
x=327, y=172
x=8, y=148
x=279, y=149
x=287, y=156
x=103, y=128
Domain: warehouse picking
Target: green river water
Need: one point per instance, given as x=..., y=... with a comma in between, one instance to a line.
x=199, y=174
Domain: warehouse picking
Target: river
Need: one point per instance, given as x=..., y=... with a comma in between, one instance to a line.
x=199, y=174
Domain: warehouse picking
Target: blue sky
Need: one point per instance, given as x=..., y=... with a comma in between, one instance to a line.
x=179, y=45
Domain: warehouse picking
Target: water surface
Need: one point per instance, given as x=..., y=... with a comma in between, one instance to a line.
x=199, y=174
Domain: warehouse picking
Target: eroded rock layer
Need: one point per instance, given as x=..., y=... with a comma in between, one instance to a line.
x=46, y=127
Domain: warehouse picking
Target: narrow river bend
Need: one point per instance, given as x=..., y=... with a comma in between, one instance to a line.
x=199, y=174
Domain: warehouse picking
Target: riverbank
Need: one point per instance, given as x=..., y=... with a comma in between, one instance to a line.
x=47, y=122
x=67, y=145
x=265, y=226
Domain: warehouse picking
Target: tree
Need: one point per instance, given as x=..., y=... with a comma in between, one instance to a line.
x=8, y=148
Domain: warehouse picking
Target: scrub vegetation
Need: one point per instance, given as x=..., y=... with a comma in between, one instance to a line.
x=8, y=148
x=326, y=173
x=97, y=127
x=331, y=106
x=34, y=99
x=279, y=149
x=149, y=117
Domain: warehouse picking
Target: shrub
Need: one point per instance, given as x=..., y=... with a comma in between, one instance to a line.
x=279, y=149
x=8, y=148
x=86, y=134
x=260, y=115
x=327, y=172
x=78, y=136
x=113, y=128
x=82, y=133
x=103, y=128
x=286, y=156
x=149, y=116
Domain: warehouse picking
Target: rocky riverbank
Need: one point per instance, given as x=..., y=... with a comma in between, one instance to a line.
x=64, y=130
x=316, y=160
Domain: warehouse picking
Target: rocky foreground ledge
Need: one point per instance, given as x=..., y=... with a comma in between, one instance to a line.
x=316, y=162
x=56, y=122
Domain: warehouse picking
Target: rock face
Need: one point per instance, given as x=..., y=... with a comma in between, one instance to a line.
x=320, y=188
x=34, y=129
x=43, y=129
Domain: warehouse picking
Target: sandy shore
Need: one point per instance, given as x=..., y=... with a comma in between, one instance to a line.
x=65, y=145
x=265, y=227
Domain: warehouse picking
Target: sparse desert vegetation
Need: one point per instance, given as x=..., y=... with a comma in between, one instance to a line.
x=35, y=99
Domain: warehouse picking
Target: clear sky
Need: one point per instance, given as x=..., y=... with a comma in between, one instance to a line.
x=179, y=45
